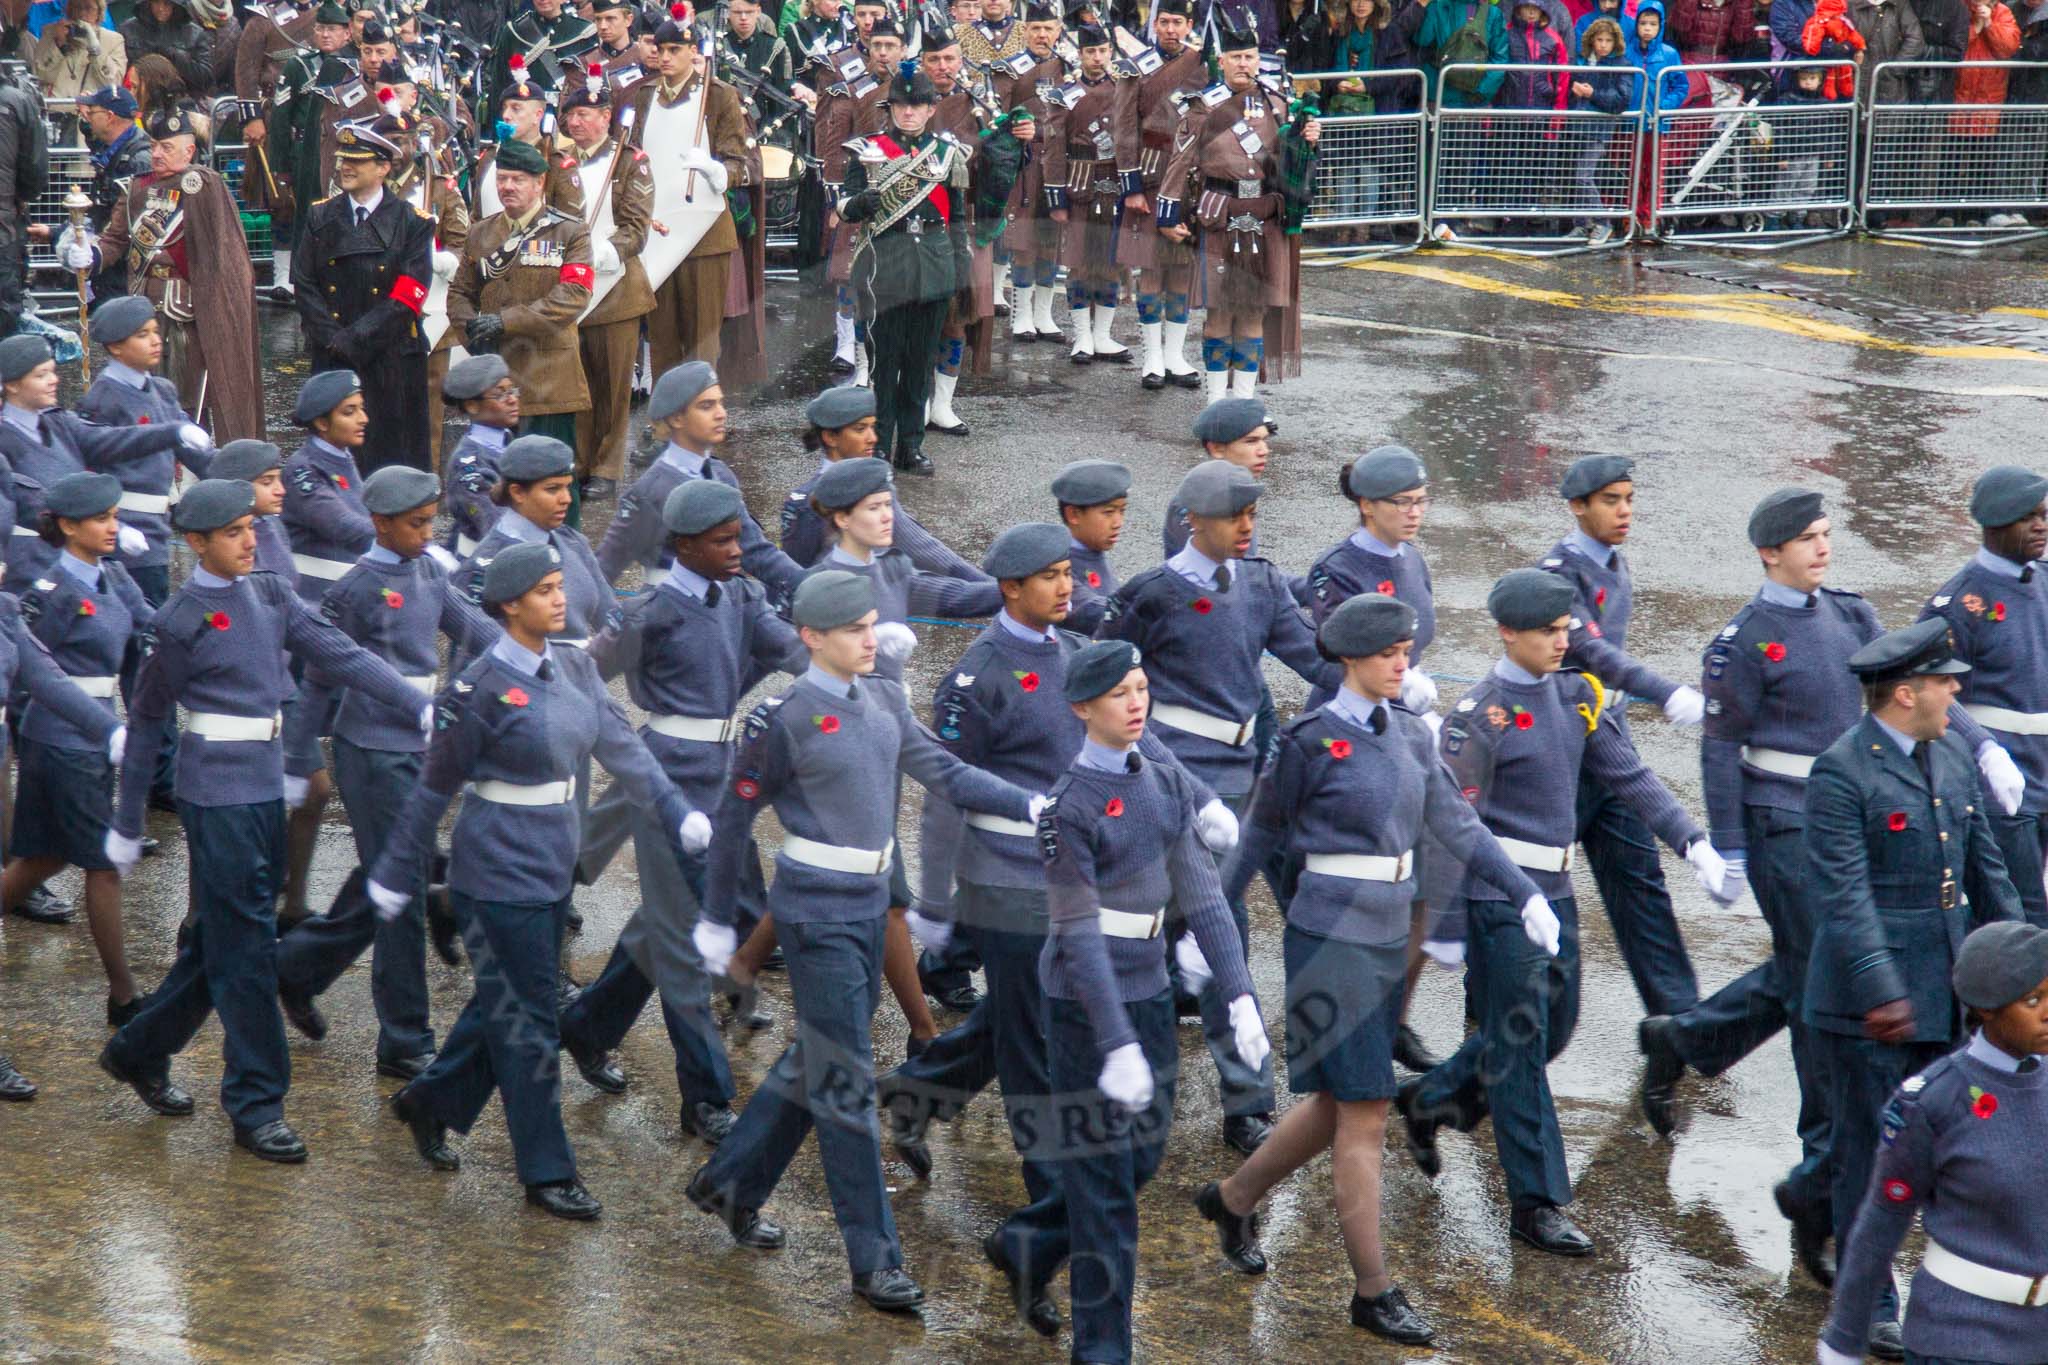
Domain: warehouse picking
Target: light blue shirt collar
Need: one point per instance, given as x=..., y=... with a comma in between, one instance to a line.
x=88, y=574
x=1194, y=566
x=1507, y=670
x=1899, y=737
x=329, y=451
x=826, y=683
x=688, y=580
x=1355, y=708
x=378, y=554
x=1103, y=758
x=126, y=374
x=1373, y=545
x=494, y=437
x=1600, y=554
x=1778, y=595
x=1078, y=548
x=520, y=529
x=689, y=461
x=206, y=578
x=839, y=554
x=1022, y=631
x=1991, y=1054
x=16, y=415
x=510, y=652
x=1997, y=564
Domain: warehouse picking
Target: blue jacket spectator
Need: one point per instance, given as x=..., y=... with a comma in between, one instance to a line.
x=1457, y=33
x=1660, y=58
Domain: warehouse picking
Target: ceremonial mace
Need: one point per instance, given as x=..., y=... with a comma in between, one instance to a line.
x=76, y=202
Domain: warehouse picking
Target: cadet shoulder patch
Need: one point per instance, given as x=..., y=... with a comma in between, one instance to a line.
x=1466, y=704
x=1913, y=1085
x=1049, y=829
x=1942, y=601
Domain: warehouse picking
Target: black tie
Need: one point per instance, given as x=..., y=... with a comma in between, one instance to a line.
x=545, y=672
x=1377, y=722
x=1925, y=759
x=2029, y=1064
x=711, y=594
x=1223, y=578
x=43, y=427
x=1812, y=600
x=362, y=215
x=2027, y=574
x=852, y=692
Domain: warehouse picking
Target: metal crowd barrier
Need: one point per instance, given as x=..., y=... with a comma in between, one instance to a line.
x=1551, y=175
x=68, y=166
x=1953, y=174
x=229, y=156
x=1370, y=170
x=1742, y=172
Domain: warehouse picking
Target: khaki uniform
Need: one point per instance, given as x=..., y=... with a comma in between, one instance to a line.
x=690, y=305
x=610, y=336
x=539, y=293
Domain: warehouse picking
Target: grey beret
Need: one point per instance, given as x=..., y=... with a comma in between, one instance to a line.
x=2005, y=494
x=1230, y=419
x=845, y=482
x=1783, y=515
x=2000, y=963
x=121, y=317
x=679, y=387
x=1100, y=667
x=1366, y=624
x=82, y=495
x=697, y=505
x=1026, y=549
x=840, y=407
x=513, y=572
x=474, y=377
x=245, y=459
x=398, y=488
x=213, y=503
x=1589, y=475
x=1909, y=652
x=21, y=353
x=323, y=393
x=1217, y=488
x=1527, y=599
x=529, y=459
x=831, y=599
x=1384, y=471
x=1089, y=483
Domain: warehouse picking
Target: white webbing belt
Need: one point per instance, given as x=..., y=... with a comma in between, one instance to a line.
x=2000, y=1286
x=703, y=729
x=522, y=794
x=315, y=567
x=1131, y=924
x=1539, y=857
x=217, y=725
x=1362, y=867
x=2012, y=722
x=838, y=857
x=997, y=824
x=1235, y=733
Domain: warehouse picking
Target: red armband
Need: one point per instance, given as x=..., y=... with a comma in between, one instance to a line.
x=582, y=275
x=409, y=293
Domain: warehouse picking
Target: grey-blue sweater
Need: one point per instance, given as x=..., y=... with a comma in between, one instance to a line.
x=2000, y=627
x=73, y=445
x=1348, y=569
x=636, y=535
x=87, y=631
x=903, y=590
x=324, y=512
x=806, y=537
x=116, y=401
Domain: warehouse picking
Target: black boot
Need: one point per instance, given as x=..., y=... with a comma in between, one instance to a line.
x=911, y=460
x=1657, y=1036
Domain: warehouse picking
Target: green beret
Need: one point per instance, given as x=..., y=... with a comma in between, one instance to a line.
x=514, y=155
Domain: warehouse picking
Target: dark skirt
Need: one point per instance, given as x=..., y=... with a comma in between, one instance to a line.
x=1343, y=1009
x=64, y=807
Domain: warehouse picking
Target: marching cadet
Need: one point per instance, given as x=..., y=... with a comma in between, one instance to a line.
x=1119, y=829
x=1970, y=1180
x=828, y=755
x=534, y=488
x=363, y=264
x=217, y=654
x=1356, y=784
x=523, y=107
x=395, y=602
x=689, y=307
x=524, y=280
x=1162, y=269
x=1230, y=139
x=1240, y=431
x=87, y=614
x=182, y=236
x=1516, y=745
x=1901, y=862
x=545, y=36
x=690, y=648
x=2000, y=623
x=615, y=175
x=1092, y=496
x=517, y=730
x=842, y=117
x=261, y=465
x=483, y=388
x=905, y=193
x=1038, y=207
x=1203, y=619
x=305, y=90
x=1087, y=247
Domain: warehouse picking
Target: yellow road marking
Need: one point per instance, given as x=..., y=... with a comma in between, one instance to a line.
x=2021, y=312
x=1480, y=1308
x=1815, y=269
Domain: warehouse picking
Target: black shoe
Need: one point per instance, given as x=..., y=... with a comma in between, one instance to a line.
x=1237, y=1234
x=565, y=1199
x=159, y=1095
x=442, y=931
x=597, y=488
x=1811, y=1229
x=1080, y=357
x=1033, y=1307
x=1887, y=1342
x=1657, y=1036
x=1152, y=381
x=163, y=801
x=957, y=999
x=14, y=1086
x=429, y=1135
x=274, y=1141
x=598, y=1068
x=1410, y=1051
x=151, y=847
x=566, y=989
x=1122, y=357
x=1186, y=1006
x=405, y=1068
x=747, y=1226
x=119, y=1014
x=906, y=1118
x=914, y=462
x=44, y=907
x=711, y=1122
x=891, y=1290
x=744, y=1001
x=914, y=1046
x=957, y=429
x=775, y=961
x=1422, y=1146
x=302, y=1013
x=1548, y=1228
x=1390, y=1316
x=1246, y=1132
x=1189, y=379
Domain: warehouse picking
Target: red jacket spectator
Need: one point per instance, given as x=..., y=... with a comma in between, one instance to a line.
x=1994, y=37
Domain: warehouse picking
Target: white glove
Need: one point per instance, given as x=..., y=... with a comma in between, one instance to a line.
x=604, y=258
x=1035, y=807
x=1418, y=691
x=713, y=170
x=131, y=541
x=121, y=851
x=117, y=745
x=715, y=943
x=696, y=832
x=1445, y=952
x=75, y=248
x=1736, y=877
x=2002, y=776
x=441, y=555
x=1540, y=923
x=1825, y=1354
x=1252, y=1047
x=1686, y=707
x=1217, y=827
x=1712, y=870
x=894, y=641
x=1127, y=1077
x=295, y=789
x=194, y=437
x=934, y=934
x=390, y=904
x=427, y=719
x=1194, y=968
x=444, y=264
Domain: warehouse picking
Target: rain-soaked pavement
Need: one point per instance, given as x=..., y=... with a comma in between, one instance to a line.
x=1885, y=376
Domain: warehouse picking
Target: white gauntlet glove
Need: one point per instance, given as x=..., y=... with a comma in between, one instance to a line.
x=390, y=904
x=1252, y=1047
x=121, y=851
x=1418, y=691
x=715, y=943
x=75, y=248
x=1127, y=1077
x=1686, y=707
x=1711, y=869
x=1448, y=953
x=696, y=832
x=934, y=934
x=441, y=555
x=604, y=258
x=1194, y=968
x=444, y=264
x=131, y=541
x=1541, y=924
x=894, y=641
x=1216, y=827
x=117, y=745
x=295, y=789
x=713, y=170
x=194, y=437
x=2001, y=776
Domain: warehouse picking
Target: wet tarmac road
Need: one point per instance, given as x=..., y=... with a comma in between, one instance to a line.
x=1887, y=377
